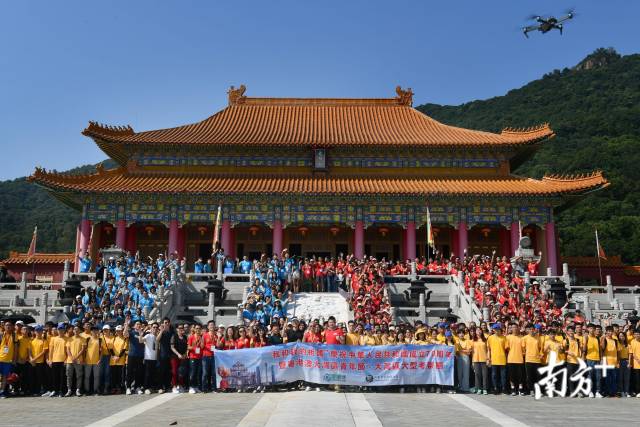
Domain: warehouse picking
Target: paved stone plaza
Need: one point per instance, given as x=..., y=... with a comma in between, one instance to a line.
x=317, y=409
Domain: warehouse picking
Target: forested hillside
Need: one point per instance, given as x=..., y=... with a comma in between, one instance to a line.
x=595, y=110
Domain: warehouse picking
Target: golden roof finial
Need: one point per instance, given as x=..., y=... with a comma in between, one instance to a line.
x=236, y=96
x=404, y=97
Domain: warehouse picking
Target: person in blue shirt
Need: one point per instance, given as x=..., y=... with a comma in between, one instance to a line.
x=145, y=301
x=207, y=267
x=248, y=313
x=245, y=265
x=198, y=267
x=161, y=261
x=85, y=262
x=138, y=315
x=259, y=314
x=135, y=371
x=228, y=265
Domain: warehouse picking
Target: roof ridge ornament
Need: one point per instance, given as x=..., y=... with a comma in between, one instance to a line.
x=404, y=97
x=236, y=96
x=95, y=127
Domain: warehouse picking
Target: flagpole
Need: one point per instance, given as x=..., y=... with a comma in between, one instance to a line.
x=598, y=256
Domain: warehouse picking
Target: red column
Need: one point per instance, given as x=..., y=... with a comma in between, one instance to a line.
x=182, y=232
x=515, y=237
x=552, y=253
x=225, y=235
x=411, y=240
x=505, y=243
x=131, y=238
x=121, y=233
x=358, y=243
x=173, y=236
x=463, y=238
x=85, y=235
x=277, y=237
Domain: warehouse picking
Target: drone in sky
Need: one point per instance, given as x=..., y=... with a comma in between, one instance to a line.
x=544, y=25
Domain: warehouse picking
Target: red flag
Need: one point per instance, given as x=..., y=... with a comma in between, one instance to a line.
x=32, y=246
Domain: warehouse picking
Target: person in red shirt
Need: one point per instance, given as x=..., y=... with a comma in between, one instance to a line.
x=307, y=276
x=532, y=267
x=230, y=339
x=320, y=274
x=194, y=346
x=242, y=341
x=260, y=340
x=209, y=341
x=333, y=335
x=313, y=334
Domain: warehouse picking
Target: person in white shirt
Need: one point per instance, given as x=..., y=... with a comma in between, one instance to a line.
x=150, y=341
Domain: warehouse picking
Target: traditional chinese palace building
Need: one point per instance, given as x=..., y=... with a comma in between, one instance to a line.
x=317, y=176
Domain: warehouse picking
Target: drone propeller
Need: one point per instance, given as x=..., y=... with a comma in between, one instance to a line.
x=533, y=17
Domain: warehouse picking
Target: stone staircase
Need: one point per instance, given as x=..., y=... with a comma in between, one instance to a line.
x=428, y=307
x=196, y=305
x=320, y=305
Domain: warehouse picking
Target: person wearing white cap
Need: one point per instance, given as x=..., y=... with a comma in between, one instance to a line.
x=105, y=359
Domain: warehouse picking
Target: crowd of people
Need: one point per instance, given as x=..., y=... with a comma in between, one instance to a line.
x=147, y=357
x=109, y=346
x=125, y=289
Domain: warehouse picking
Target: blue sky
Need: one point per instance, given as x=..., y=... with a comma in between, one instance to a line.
x=155, y=64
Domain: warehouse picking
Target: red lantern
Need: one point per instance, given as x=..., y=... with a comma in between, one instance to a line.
x=149, y=229
x=334, y=230
x=108, y=229
x=303, y=230
x=254, y=230
x=202, y=229
x=383, y=231
x=485, y=232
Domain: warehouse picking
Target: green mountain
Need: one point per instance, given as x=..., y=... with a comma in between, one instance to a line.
x=25, y=205
x=594, y=108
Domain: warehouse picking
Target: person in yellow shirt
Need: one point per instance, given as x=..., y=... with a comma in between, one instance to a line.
x=22, y=362
x=463, y=349
x=352, y=337
x=551, y=345
x=634, y=360
x=433, y=337
x=573, y=352
x=515, y=360
x=37, y=360
x=57, y=356
x=75, y=347
x=378, y=335
x=609, y=347
x=593, y=354
x=497, y=345
x=118, y=358
x=440, y=334
x=368, y=338
x=92, y=361
x=623, y=363
x=86, y=330
x=532, y=347
x=420, y=337
x=479, y=361
x=8, y=353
